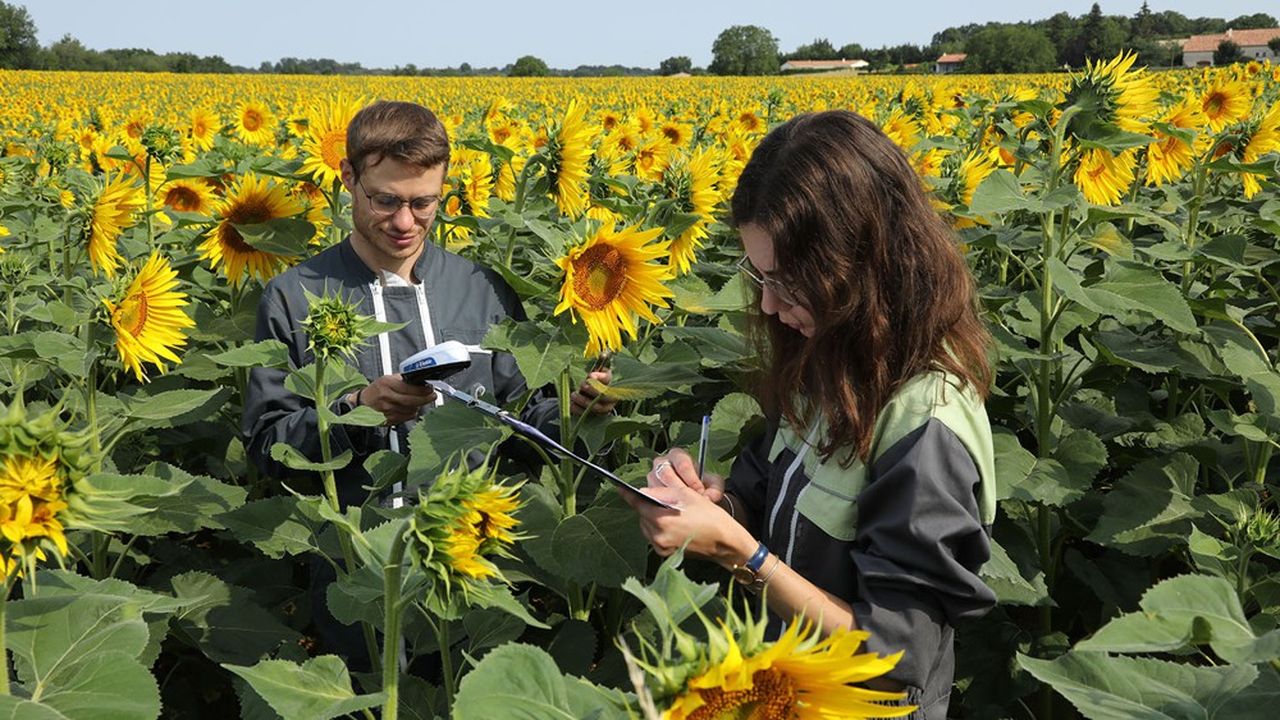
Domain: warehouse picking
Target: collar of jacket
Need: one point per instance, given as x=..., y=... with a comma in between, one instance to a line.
x=364, y=274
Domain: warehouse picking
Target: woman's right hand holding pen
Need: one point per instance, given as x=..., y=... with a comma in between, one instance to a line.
x=679, y=466
x=701, y=525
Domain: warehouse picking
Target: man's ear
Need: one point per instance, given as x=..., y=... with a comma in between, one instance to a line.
x=348, y=175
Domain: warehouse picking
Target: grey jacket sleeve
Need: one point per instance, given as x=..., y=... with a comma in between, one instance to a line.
x=271, y=413
x=918, y=548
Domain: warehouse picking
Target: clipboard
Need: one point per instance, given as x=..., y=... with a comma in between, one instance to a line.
x=542, y=439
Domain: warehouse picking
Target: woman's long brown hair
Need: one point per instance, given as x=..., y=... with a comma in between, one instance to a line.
x=882, y=274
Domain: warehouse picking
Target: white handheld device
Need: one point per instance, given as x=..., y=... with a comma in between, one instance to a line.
x=436, y=362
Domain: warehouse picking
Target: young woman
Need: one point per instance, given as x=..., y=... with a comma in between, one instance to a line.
x=869, y=501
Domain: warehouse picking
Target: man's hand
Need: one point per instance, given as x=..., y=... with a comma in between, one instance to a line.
x=586, y=396
x=397, y=400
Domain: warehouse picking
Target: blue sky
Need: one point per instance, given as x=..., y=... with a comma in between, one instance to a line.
x=564, y=33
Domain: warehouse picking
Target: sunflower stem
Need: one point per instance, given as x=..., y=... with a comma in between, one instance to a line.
x=4, y=648
x=331, y=495
x=146, y=185
x=568, y=485
x=444, y=643
x=391, y=586
x=335, y=198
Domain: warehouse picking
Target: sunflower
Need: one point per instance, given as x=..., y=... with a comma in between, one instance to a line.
x=188, y=196
x=1225, y=102
x=462, y=523
x=901, y=129
x=325, y=141
x=651, y=159
x=1264, y=140
x=692, y=183
x=148, y=318
x=1104, y=178
x=255, y=124
x=800, y=676
x=677, y=134
x=975, y=168
x=204, y=127
x=113, y=212
x=1169, y=157
x=609, y=280
x=249, y=201
x=570, y=151
x=1112, y=94
x=39, y=462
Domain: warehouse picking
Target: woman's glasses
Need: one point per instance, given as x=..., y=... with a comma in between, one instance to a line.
x=383, y=204
x=780, y=291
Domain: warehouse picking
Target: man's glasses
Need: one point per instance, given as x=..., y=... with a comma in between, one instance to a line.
x=383, y=204
x=780, y=291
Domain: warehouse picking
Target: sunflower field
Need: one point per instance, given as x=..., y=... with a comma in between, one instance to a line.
x=1124, y=230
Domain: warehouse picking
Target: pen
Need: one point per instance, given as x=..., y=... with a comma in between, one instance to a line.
x=702, y=443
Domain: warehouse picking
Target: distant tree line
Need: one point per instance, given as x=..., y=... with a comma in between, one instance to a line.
x=1032, y=46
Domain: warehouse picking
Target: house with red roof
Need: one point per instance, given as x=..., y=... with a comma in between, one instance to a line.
x=1197, y=50
x=949, y=63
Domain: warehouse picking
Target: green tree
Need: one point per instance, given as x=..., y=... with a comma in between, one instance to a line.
x=1228, y=52
x=529, y=66
x=1009, y=48
x=1100, y=37
x=675, y=65
x=1253, y=22
x=1143, y=22
x=819, y=49
x=18, y=45
x=744, y=50
x=852, y=51
x=1274, y=44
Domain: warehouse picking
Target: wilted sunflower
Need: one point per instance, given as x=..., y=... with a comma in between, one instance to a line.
x=148, y=318
x=610, y=279
x=1103, y=177
x=114, y=211
x=255, y=124
x=461, y=524
x=325, y=142
x=1225, y=102
x=570, y=151
x=735, y=673
x=692, y=183
x=249, y=201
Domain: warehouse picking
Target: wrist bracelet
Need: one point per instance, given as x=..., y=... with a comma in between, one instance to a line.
x=728, y=505
x=756, y=561
x=769, y=575
x=357, y=403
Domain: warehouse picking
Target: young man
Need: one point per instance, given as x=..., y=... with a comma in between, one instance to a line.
x=397, y=158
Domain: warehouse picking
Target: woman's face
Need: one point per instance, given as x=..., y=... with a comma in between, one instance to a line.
x=759, y=248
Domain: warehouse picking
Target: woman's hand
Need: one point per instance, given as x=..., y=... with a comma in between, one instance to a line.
x=711, y=532
x=677, y=467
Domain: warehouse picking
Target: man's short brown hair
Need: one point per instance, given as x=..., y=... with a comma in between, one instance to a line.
x=405, y=131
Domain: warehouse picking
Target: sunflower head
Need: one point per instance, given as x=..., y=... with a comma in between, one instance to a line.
x=611, y=279
x=148, y=317
x=40, y=459
x=162, y=144
x=731, y=671
x=334, y=328
x=1111, y=96
x=462, y=522
x=114, y=210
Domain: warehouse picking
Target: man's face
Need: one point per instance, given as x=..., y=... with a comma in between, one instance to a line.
x=391, y=240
